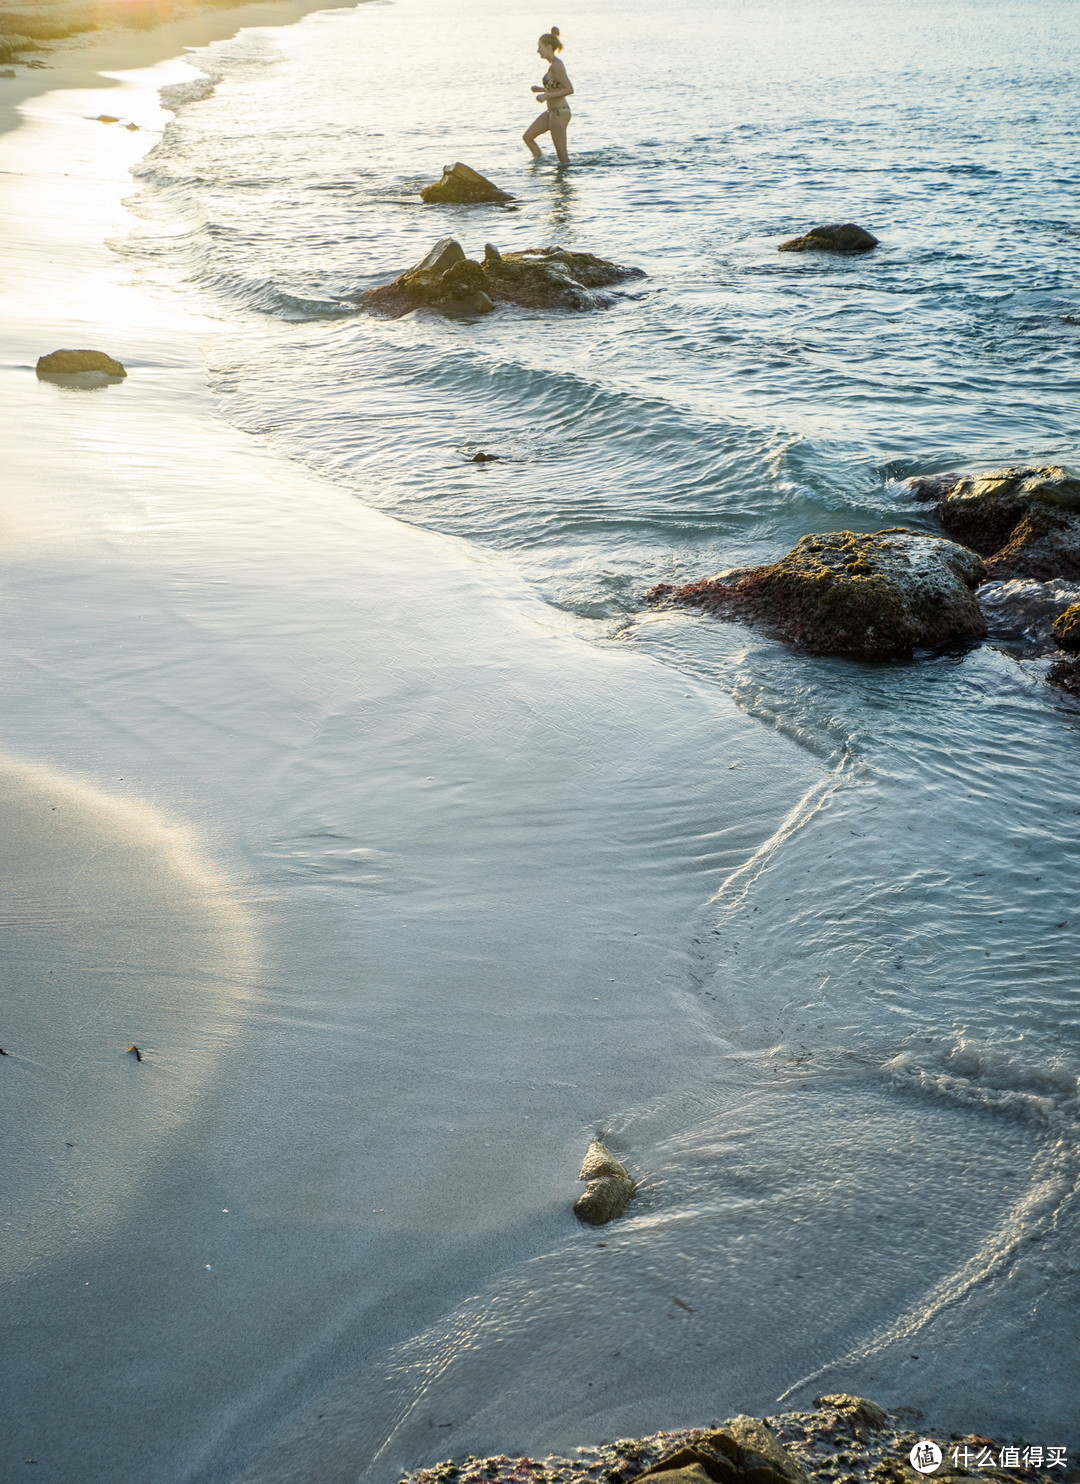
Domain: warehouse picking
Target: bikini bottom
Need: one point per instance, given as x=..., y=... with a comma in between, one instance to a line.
x=559, y=111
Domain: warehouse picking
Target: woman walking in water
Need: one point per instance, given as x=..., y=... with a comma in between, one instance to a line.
x=556, y=89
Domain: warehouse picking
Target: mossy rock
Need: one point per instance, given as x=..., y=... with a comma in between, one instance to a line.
x=70, y=362
x=870, y=597
x=609, y=1188
x=840, y=237
x=1025, y=521
x=1067, y=630
x=462, y=186
x=742, y=1451
x=537, y=278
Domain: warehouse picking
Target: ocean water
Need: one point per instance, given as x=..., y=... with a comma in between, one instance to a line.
x=874, y=1187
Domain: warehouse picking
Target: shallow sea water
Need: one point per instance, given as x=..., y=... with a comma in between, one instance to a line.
x=873, y=1186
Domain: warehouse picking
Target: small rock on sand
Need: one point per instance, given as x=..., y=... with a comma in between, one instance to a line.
x=69, y=362
x=608, y=1189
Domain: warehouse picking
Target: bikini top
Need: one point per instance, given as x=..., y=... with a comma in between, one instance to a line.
x=550, y=80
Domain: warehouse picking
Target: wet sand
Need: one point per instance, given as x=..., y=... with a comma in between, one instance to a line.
x=396, y=878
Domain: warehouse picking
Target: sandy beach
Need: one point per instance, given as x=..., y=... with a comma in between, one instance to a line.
x=306, y=804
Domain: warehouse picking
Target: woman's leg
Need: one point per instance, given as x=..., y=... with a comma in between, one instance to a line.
x=558, y=137
x=537, y=127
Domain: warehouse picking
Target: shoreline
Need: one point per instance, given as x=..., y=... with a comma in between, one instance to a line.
x=83, y=59
x=352, y=727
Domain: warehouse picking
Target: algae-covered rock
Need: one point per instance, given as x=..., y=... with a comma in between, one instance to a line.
x=867, y=596
x=1024, y=520
x=843, y=237
x=604, y=1199
x=538, y=278
x=609, y=1187
x=598, y=1161
x=863, y=1415
x=70, y=362
x=554, y=278
x=742, y=1451
x=1067, y=629
x=463, y=186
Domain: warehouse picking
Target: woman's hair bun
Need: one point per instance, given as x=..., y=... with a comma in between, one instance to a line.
x=554, y=30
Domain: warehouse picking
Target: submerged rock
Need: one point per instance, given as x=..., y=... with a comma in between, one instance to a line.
x=870, y=597
x=538, y=278
x=69, y=362
x=609, y=1187
x=1021, y=613
x=836, y=237
x=1024, y=521
x=1066, y=674
x=461, y=185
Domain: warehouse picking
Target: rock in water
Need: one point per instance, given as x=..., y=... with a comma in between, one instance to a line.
x=1021, y=613
x=743, y=1451
x=609, y=1187
x=446, y=254
x=538, y=278
x=599, y=1161
x=1067, y=630
x=837, y=237
x=871, y=597
x=462, y=186
x=1066, y=674
x=68, y=362
x=1025, y=521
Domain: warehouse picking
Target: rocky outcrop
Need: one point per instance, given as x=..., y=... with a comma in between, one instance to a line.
x=842, y=237
x=871, y=597
x=743, y=1451
x=824, y=1446
x=69, y=362
x=861, y=1415
x=608, y=1189
x=461, y=186
x=1067, y=629
x=538, y=278
x=1024, y=521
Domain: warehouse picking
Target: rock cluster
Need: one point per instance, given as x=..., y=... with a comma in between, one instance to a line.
x=845, y=1440
x=1024, y=521
x=871, y=597
x=836, y=237
x=69, y=362
x=538, y=278
x=608, y=1189
x=462, y=186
